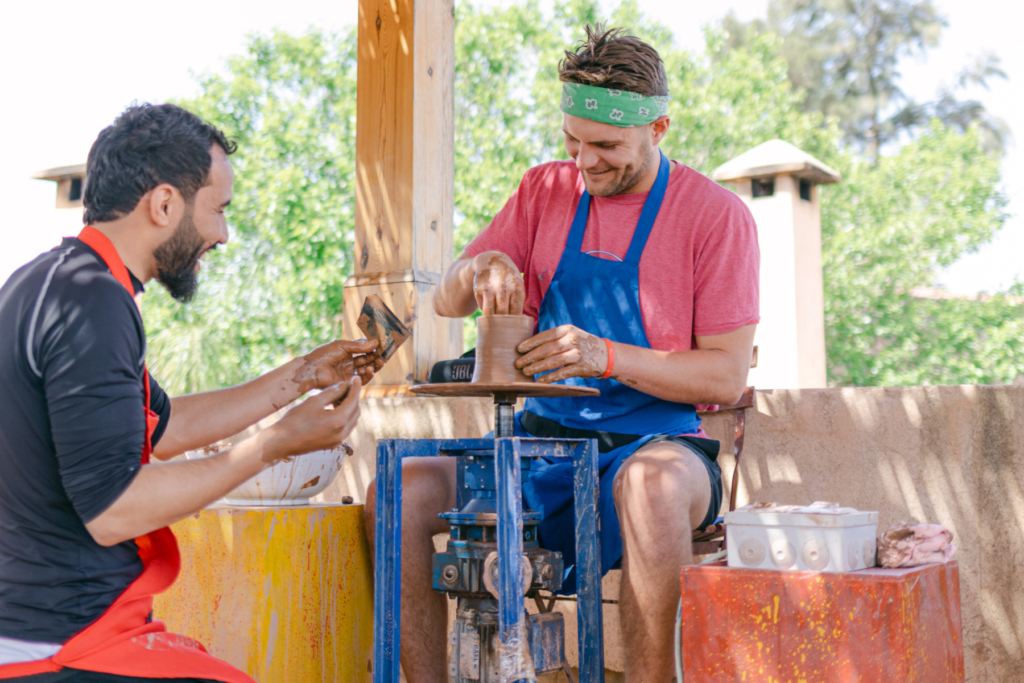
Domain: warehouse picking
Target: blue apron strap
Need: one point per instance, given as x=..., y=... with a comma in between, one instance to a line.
x=650, y=212
x=579, y=223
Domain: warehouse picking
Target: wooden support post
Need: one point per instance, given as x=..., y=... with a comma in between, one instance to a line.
x=405, y=178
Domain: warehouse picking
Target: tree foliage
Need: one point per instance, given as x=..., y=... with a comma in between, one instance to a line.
x=290, y=102
x=920, y=190
x=724, y=101
x=276, y=290
x=887, y=230
x=846, y=56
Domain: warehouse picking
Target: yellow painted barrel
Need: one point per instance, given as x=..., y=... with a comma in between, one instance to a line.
x=284, y=594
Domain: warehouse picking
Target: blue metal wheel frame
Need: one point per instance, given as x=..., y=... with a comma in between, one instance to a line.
x=508, y=454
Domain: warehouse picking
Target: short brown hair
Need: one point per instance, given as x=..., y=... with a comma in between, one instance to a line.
x=612, y=59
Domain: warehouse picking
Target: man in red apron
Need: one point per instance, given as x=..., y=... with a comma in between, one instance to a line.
x=84, y=537
x=643, y=277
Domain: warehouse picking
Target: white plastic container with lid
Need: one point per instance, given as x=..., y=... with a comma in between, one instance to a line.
x=820, y=537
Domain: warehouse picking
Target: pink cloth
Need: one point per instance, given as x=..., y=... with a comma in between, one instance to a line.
x=698, y=273
x=906, y=545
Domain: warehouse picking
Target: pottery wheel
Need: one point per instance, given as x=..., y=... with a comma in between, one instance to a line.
x=505, y=395
x=516, y=389
x=496, y=375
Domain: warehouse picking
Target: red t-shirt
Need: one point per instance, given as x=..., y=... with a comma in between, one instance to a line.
x=698, y=272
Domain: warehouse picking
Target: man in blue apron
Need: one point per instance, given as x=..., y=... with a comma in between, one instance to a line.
x=642, y=275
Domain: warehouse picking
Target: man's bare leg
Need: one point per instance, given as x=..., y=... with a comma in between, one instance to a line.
x=428, y=489
x=654, y=490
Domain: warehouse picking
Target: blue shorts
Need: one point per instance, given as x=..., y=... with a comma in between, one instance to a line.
x=549, y=489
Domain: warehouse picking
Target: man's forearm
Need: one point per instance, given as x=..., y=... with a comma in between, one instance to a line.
x=201, y=419
x=163, y=494
x=709, y=376
x=697, y=376
x=454, y=297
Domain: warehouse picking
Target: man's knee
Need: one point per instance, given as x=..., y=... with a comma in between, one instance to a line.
x=661, y=476
x=428, y=488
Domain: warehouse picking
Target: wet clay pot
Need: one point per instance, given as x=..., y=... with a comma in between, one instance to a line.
x=497, y=337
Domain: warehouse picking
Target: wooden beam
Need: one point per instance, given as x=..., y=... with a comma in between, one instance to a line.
x=405, y=174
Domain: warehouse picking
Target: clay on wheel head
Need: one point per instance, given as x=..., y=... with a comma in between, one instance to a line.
x=496, y=373
x=497, y=338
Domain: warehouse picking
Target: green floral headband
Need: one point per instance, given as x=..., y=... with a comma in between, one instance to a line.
x=614, y=107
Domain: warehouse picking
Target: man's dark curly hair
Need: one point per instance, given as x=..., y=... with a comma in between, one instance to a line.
x=148, y=145
x=612, y=59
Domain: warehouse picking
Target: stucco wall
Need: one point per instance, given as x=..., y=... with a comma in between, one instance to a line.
x=952, y=455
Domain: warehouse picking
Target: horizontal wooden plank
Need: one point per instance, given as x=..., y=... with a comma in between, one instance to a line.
x=386, y=391
x=397, y=276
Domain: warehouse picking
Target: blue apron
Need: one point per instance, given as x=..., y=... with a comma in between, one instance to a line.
x=601, y=297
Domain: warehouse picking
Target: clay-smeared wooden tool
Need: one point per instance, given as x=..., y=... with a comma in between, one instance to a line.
x=379, y=322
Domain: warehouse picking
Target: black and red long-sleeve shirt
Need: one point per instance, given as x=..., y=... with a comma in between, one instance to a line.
x=72, y=347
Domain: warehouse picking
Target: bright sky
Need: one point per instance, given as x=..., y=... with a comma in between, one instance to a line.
x=68, y=68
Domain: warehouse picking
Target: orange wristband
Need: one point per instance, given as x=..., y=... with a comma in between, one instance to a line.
x=611, y=359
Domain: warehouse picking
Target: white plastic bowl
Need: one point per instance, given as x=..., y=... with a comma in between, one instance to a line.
x=288, y=483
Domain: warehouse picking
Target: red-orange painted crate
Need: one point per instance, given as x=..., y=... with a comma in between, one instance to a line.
x=873, y=625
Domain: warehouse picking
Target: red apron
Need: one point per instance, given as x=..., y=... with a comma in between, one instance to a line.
x=122, y=642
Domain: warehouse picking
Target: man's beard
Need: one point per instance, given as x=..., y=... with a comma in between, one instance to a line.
x=176, y=260
x=629, y=181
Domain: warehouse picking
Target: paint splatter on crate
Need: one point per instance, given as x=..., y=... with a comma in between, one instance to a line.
x=776, y=627
x=283, y=593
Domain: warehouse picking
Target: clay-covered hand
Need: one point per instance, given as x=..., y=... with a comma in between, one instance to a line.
x=319, y=423
x=567, y=350
x=497, y=284
x=338, y=361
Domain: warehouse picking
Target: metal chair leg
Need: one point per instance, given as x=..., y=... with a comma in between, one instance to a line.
x=737, y=450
